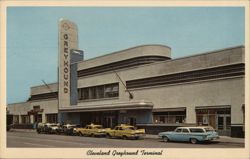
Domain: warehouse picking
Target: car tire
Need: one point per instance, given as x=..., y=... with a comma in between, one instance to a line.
x=165, y=139
x=124, y=137
x=137, y=138
x=193, y=140
x=80, y=134
x=109, y=136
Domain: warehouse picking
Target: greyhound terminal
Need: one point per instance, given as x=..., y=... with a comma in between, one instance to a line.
x=141, y=86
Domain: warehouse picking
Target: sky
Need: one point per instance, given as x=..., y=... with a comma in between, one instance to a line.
x=32, y=36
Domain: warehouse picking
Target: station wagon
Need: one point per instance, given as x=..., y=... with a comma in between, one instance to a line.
x=190, y=134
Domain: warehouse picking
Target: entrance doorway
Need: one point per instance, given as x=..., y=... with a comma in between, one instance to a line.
x=224, y=124
x=38, y=118
x=109, y=121
x=219, y=118
x=132, y=121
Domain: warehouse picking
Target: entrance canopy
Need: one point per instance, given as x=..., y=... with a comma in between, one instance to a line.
x=131, y=105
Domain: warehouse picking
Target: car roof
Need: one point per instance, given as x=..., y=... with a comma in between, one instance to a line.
x=195, y=127
x=124, y=125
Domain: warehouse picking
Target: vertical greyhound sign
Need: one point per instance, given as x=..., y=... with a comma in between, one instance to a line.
x=68, y=40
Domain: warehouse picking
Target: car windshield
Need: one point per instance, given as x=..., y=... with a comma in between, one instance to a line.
x=129, y=128
x=98, y=127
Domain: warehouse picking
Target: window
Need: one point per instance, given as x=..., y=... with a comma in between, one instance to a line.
x=99, y=92
x=170, y=117
x=185, y=131
x=178, y=130
x=196, y=130
x=25, y=119
x=92, y=93
x=16, y=119
x=111, y=90
x=51, y=118
x=162, y=119
x=86, y=93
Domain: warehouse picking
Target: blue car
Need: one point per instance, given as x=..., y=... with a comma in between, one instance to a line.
x=190, y=134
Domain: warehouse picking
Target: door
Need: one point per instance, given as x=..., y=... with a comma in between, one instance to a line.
x=177, y=135
x=38, y=118
x=185, y=135
x=132, y=121
x=109, y=121
x=224, y=124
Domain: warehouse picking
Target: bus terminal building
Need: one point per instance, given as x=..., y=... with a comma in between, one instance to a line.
x=141, y=86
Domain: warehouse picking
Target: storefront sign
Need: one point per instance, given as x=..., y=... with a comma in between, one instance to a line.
x=68, y=39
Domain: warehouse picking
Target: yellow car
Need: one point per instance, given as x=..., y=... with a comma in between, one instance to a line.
x=125, y=131
x=91, y=130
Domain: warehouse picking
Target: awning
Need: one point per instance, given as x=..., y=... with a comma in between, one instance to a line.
x=212, y=107
x=135, y=105
x=169, y=109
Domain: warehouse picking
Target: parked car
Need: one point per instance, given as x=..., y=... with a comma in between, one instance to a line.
x=68, y=129
x=91, y=130
x=48, y=128
x=190, y=134
x=40, y=128
x=126, y=132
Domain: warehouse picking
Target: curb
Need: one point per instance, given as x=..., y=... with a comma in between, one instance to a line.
x=219, y=140
x=145, y=137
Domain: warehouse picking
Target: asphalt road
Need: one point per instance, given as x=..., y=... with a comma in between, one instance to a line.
x=34, y=140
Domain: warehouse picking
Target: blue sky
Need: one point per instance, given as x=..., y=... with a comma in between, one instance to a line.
x=32, y=32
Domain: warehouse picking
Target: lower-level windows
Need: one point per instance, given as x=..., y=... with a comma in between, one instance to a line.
x=15, y=119
x=25, y=119
x=51, y=118
x=170, y=117
x=98, y=92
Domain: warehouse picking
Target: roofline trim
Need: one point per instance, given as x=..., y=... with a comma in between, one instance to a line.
x=116, y=52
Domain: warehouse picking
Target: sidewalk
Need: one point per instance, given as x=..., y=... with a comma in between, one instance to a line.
x=224, y=139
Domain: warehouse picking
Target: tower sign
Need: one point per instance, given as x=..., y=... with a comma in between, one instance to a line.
x=68, y=40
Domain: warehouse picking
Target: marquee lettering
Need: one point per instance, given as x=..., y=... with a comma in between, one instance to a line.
x=66, y=63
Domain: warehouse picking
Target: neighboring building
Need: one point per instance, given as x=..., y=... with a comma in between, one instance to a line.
x=162, y=93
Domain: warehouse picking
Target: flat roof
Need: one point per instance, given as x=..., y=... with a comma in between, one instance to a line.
x=138, y=51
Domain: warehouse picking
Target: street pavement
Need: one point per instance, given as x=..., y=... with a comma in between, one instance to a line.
x=29, y=138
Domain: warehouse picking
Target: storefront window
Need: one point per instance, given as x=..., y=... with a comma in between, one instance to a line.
x=51, y=118
x=25, y=119
x=16, y=119
x=169, y=117
x=219, y=118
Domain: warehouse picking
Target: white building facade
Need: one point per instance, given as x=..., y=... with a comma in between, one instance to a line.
x=141, y=86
